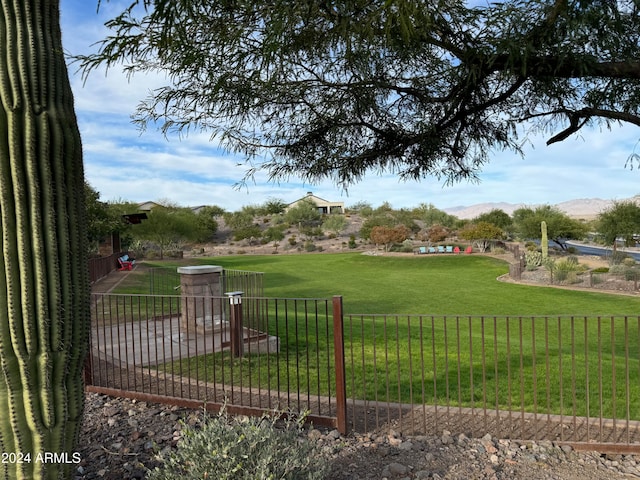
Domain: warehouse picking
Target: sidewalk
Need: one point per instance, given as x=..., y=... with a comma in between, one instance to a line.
x=111, y=281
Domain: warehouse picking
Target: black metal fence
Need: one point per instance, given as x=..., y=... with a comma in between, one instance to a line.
x=573, y=379
x=152, y=347
x=166, y=281
x=565, y=378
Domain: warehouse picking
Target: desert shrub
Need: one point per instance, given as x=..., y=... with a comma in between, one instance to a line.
x=498, y=250
x=566, y=270
x=572, y=260
x=310, y=246
x=407, y=246
x=352, y=241
x=617, y=269
x=601, y=270
x=628, y=262
x=241, y=448
x=617, y=257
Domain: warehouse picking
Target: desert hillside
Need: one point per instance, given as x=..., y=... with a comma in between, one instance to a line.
x=584, y=208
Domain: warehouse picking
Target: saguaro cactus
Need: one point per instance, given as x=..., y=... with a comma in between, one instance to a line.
x=44, y=288
x=544, y=241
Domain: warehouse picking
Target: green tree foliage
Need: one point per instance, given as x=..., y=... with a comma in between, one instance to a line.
x=206, y=225
x=99, y=221
x=304, y=215
x=334, y=224
x=430, y=215
x=415, y=87
x=273, y=234
x=375, y=221
x=496, y=217
x=560, y=226
x=621, y=220
x=482, y=234
x=170, y=226
x=273, y=206
x=44, y=285
x=361, y=208
x=242, y=223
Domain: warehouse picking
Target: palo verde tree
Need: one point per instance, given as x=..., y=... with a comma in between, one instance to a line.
x=621, y=220
x=44, y=287
x=560, y=227
x=415, y=87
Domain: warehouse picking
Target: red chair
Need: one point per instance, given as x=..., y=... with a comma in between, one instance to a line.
x=125, y=263
x=468, y=249
x=456, y=249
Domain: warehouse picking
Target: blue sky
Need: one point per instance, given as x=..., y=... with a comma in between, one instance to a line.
x=123, y=163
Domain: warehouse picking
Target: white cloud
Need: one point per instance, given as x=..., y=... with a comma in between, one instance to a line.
x=122, y=163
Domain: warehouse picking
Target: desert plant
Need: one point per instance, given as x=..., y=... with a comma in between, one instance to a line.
x=544, y=241
x=566, y=270
x=532, y=259
x=238, y=448
x=44, y=306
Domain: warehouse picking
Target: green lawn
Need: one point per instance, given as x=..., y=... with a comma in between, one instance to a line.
x=446, y=285
x=470, y=360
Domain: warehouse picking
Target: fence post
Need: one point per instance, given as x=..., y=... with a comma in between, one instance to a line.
x=235, y=330
x=341, y=383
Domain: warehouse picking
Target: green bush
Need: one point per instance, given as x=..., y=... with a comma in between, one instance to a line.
x=601, y=270
x=533, y=259
x=566, y=270
x=243, y=448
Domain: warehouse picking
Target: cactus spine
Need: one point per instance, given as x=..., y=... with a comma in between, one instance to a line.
x=44, y=289
x=544, y=242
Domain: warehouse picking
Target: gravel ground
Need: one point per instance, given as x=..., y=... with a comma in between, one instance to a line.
x=121, y=437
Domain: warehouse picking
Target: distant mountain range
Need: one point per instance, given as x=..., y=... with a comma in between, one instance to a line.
x=585, y=208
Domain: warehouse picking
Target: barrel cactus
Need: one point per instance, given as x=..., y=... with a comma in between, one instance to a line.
x=44, y=288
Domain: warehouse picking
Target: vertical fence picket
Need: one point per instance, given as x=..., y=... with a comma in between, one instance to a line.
x=421, y=374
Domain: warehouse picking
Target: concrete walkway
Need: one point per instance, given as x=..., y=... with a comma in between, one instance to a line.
x=148, y=340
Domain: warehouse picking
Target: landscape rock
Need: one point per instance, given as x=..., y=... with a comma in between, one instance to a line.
x=121, y=451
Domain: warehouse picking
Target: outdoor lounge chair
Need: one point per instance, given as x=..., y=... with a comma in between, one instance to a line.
x=125, y=262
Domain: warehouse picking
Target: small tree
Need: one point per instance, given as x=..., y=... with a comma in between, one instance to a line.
x=482, y=234
x=622, y=219
x=335, y=224
x=169, y=225
x=388, y=236
x=274, y=234
x=305, y=215
x=273, y=206
x=560, y=226
x=497, y=217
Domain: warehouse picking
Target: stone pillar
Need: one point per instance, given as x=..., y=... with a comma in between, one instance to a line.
x=200, y=312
